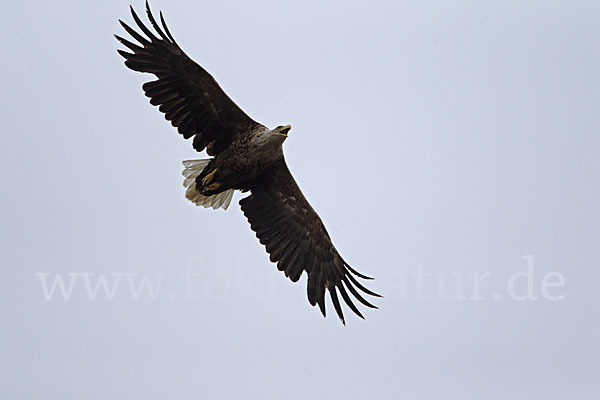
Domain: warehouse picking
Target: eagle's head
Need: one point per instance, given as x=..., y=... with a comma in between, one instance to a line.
x=282, y=130
x=270, y=141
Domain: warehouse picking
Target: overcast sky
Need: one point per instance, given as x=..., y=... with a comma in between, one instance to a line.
x=451, y=148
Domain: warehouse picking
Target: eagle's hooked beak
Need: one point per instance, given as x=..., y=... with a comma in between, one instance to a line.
x=284, y=130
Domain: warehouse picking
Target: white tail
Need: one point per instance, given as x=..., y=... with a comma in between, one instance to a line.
x=193, y=169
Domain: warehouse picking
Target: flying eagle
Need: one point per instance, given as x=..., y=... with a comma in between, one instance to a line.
x=246, y=156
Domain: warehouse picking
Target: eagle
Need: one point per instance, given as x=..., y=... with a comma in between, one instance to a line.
x=245, y=156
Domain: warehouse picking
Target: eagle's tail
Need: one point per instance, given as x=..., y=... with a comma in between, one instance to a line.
x=193, y=169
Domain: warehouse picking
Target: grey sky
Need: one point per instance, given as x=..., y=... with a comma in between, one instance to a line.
x=432, y=137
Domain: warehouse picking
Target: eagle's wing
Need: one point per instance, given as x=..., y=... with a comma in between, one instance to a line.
x=188, y=95
x=297, y=240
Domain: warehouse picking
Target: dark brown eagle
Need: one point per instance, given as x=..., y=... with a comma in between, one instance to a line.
x=247, y=156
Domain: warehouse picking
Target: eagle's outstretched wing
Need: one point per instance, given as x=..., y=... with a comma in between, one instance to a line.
x=188, y=95
x=297, y=240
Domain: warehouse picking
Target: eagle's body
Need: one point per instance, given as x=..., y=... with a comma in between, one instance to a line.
x=243, y=162
x=247, y=156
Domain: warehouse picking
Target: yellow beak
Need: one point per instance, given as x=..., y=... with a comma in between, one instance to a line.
x=285, y=129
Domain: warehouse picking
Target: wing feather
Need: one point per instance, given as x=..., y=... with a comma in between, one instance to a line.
x=296, y=239
x=185, y=92
x=336, y=304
